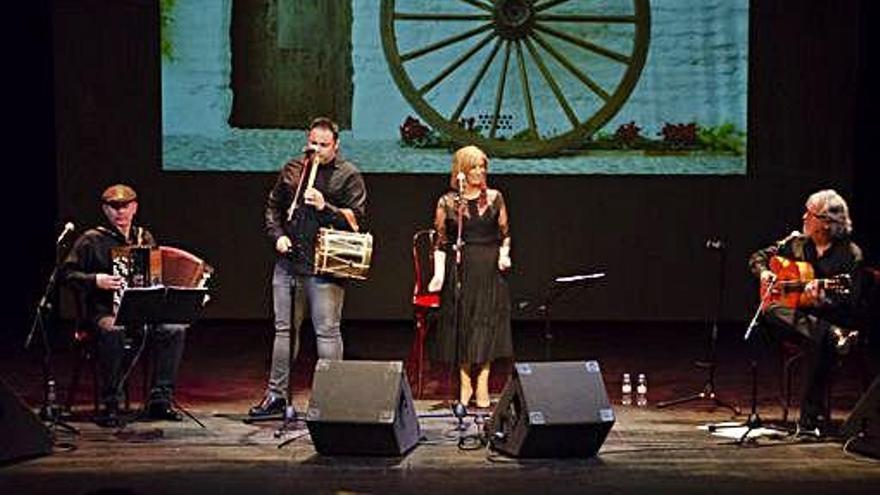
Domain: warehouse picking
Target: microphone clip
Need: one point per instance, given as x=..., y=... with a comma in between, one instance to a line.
x=715, y=244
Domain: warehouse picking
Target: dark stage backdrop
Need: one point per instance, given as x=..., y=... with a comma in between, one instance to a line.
x=648, y=233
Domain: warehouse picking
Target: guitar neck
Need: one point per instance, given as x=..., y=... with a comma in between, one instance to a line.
x=800, y=284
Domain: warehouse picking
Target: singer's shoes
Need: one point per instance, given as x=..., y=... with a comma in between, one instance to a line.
x=162, y=410
x=270, y=405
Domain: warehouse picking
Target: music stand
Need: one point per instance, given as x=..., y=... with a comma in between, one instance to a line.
x=142, y=307
x=555, y=290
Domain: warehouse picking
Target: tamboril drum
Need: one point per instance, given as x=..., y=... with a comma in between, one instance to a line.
x=343, y=254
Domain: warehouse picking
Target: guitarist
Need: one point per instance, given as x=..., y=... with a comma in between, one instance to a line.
x=820, y=324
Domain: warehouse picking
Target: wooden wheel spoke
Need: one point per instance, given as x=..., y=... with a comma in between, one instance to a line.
x=478, y=4
x=445, y=42
x=548, y=5
x=585, y=44
x=594, y=87
x=553, y=85
x=527, y=94
x=598, y=19
x=411, y=16
x=456, y=64
x=444, y=57
x=499, y=93
x=479, y=77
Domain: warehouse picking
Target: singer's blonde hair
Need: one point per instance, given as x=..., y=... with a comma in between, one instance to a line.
x=464, y=160
x=832, y=208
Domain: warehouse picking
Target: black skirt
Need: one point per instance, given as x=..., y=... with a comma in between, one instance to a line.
x=476, y=317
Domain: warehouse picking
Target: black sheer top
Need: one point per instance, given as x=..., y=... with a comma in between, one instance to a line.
x=482, y=225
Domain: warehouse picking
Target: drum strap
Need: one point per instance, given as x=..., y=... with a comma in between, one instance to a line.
x=350, y=218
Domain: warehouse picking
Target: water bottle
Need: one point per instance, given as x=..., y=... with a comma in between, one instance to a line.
x=642, y=391
x=626, y=391
x=50, y=393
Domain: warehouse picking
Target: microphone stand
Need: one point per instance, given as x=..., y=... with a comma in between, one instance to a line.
x=459, y=410
x=50, y=412
x=708, y=391
x=754, y=420
x=290, y=416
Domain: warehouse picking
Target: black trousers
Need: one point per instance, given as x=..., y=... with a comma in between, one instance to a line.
x=164, y=343
x=814, y=335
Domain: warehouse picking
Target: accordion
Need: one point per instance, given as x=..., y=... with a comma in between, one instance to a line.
x=171, y=270
x=147, y=266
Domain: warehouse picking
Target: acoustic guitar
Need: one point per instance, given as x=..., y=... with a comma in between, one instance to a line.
x=791, y=279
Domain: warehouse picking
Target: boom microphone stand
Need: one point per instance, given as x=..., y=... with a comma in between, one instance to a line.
x=710, y=363
x=458, y=410
x=50, y=412
x=754, y=420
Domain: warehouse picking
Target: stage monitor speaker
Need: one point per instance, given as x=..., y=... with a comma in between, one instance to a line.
x=362, y=408
x=552, y=409
x=862, y=427
x=22, y=434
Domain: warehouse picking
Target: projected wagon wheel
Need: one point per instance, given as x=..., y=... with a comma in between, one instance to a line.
x=521, y=78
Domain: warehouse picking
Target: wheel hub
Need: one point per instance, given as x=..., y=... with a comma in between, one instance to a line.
x=514, y=18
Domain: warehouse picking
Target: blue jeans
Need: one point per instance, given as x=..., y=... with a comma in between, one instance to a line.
x=291, y=295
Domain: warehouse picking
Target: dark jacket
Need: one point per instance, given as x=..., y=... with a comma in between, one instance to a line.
x=89, y=256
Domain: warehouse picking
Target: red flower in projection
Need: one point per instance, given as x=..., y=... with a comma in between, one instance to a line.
x=680, y=135
x=627, y=134
x=413, y=130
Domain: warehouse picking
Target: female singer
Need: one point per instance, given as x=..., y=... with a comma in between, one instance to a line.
x=474, y=327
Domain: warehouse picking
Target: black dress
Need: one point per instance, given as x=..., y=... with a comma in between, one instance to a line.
x=483, y=319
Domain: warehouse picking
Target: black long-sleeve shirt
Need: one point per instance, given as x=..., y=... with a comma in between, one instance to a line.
x=342, y=186
x=89, y=256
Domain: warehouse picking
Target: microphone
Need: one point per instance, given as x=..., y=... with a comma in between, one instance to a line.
x=460, y=177
x=309, y=149
x=68, y=228
x=794, y=233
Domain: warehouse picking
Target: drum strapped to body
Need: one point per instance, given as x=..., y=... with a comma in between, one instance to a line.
x=343, y=254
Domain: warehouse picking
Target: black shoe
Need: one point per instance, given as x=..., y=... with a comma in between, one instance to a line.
x=269, y=406
x=109, y=416
x=161, y=410
x=811, y=427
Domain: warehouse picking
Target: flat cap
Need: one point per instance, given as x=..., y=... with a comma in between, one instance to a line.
x=118, y=193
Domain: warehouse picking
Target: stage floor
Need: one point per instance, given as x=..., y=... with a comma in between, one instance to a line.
x=648, y=450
